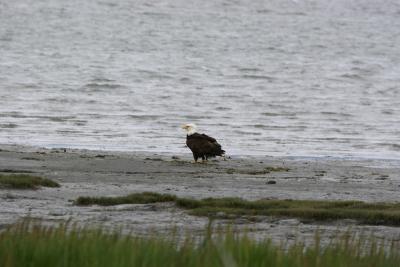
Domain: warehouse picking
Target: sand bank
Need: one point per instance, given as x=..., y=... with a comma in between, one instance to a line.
x=99, y=173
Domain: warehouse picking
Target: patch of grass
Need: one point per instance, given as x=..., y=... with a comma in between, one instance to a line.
x=23, y=181
x=27, y=245
x=136, y=198
x=318, y=210
x=15, y=171
x=367, y=213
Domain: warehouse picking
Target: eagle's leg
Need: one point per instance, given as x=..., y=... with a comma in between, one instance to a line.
x=195, y=158
x=203, y=159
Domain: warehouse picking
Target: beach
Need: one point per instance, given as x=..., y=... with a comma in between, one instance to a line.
x=101, y=173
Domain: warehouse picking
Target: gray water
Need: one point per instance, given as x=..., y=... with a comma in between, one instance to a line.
x=276, y=77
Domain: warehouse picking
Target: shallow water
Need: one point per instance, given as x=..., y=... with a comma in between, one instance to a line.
x=282, y=77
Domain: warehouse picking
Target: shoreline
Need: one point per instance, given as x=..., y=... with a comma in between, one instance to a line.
x=105, y=173
x=186, y=152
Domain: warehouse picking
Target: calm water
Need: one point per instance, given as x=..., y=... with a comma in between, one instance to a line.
x=276, y=77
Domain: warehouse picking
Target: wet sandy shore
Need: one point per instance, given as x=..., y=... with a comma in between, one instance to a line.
x=99, y=173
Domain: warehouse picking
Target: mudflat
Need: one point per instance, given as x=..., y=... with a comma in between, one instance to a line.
x=100, y=173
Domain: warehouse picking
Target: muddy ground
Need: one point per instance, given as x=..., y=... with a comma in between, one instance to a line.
x=99, y=173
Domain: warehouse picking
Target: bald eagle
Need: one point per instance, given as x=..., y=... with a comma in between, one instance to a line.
x=202, y=146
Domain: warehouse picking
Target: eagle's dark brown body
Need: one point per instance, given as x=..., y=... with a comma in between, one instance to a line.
x=203, y=146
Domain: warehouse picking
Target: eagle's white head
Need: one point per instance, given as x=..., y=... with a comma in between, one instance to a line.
x=190, y=128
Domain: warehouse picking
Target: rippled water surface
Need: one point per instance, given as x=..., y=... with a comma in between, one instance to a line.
x=277, y=77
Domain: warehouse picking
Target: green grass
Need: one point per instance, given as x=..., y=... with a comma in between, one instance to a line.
x=316, y=210
x=23, y=181
x=37, y=246
x=137, y=198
